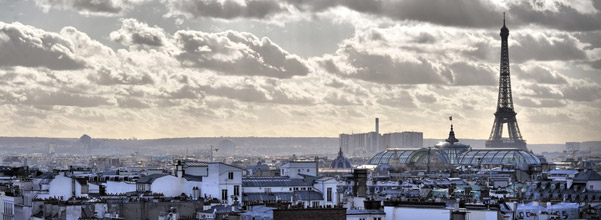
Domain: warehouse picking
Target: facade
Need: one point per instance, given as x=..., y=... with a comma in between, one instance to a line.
x=306, y=192
x=409, y=210
x=295, y=169
x=371, y=142
x=406, y=139
x=361, y=144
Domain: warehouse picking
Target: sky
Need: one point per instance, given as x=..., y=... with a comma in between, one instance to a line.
x=288, y=68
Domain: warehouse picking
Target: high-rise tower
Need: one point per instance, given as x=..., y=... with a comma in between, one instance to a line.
x=505, y=113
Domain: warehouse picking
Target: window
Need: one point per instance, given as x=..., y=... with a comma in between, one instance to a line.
x=329, y=195
x=299, y=170
x=236, y=190
x=267, y=190
x=303, y=188
x=290, y=189
x=230, y=175
x=307, y=170
x=224, y=194
x=315, y=204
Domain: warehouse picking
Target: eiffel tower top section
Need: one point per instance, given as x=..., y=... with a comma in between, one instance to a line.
x=505, y=113
x=505, y=101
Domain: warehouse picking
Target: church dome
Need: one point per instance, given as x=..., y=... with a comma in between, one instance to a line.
x=341, y=162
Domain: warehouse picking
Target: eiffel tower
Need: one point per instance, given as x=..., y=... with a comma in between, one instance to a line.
x=505, y=113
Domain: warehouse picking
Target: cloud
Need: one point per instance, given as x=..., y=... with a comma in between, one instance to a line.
x=133, y=32
x=226, y=9
x=545, y=47
x=582, y=92
x=388, y=70
x=581, y=16
x=539, y=103
x=107, y=76
x=132, y=103
x=237, y=53
x=399, y=99
x=472, y=74
x=539, y=74
x=557, y=14
x=22, y=45
x=62, y=98
x=93, y=7
x=596, y=64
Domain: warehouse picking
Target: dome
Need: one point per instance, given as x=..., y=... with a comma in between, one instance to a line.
x=341, y=162
x=406, y=155
x=502, y=156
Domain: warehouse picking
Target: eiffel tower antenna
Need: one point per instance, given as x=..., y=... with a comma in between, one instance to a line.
x=505, y=113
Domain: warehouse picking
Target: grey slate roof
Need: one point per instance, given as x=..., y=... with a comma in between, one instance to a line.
x=150, y=178
x=193, y=178
x=587, y=176
x=282, y=196
x=275, y=181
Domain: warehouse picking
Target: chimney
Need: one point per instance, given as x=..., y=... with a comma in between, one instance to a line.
x=195, y=193
x=377, y=147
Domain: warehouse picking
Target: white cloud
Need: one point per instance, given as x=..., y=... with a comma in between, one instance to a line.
x=22, y=45
x=237, y=53
x=133, y=32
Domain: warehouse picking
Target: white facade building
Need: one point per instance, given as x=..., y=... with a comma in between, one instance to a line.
x=294, y=169
x=213, y=180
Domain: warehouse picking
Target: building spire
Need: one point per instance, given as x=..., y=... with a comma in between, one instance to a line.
x=503, y=19
x=452, y=140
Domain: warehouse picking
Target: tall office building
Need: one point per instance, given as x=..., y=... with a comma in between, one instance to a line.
x=406, y=139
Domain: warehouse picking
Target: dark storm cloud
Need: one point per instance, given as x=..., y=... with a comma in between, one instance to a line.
x=237, y=53
x=22, y=45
